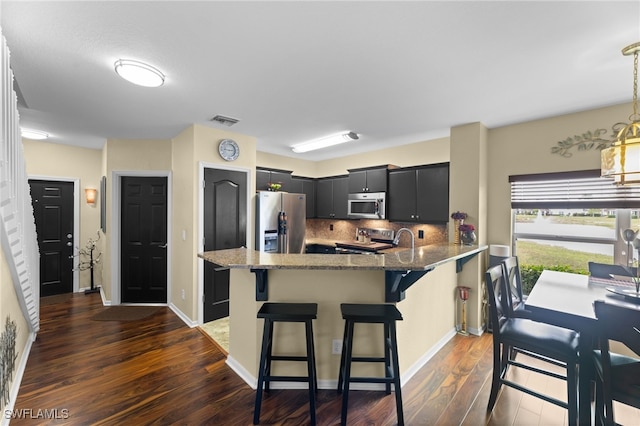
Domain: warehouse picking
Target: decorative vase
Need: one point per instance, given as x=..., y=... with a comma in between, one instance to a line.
x=463, y=294
x=468, y=237
x=456, y=230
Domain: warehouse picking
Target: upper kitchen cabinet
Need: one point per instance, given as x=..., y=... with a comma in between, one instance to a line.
x=419, y=194
x=369, y=179
x=265, y=176
x=307, y=186
x=331, y=197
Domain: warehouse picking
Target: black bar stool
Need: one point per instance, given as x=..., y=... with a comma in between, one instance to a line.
x=286, y=312
x=380, y=314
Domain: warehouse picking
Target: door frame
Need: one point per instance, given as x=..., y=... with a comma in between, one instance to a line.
x=202, y=165
x=114, y=226
x=76, y=220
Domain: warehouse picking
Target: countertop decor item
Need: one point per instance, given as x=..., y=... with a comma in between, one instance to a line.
x=458, y=220
x=467, y=234
x=273, y=186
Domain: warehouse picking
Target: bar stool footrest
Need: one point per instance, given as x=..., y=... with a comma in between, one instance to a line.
x=286, y=379
x=367, y=359
x=372, y=379
x=288, y=358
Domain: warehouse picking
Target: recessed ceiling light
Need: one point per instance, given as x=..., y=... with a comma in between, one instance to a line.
x=325, y=142
x=33, y=134
x=139, y=73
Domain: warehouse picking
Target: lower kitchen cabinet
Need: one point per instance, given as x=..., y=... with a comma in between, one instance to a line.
x=419, y=194
x=319, y=248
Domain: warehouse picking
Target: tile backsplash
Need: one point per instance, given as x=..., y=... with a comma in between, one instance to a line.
x=345, y=230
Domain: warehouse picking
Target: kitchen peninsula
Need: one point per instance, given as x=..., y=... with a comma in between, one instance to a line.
x=421, y=281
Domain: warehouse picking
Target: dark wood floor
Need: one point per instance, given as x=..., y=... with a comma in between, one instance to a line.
x=160, y=371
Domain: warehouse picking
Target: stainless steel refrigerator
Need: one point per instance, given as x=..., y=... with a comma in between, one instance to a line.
x=280, y=222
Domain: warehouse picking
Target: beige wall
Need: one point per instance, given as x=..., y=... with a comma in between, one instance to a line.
x=526, y=148
x=468, y=183
x=428, y=314
x=10, y=309
x=51, y=160
x=183, y=270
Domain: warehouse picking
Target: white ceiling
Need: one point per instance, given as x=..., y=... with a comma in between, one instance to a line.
x=394, y=72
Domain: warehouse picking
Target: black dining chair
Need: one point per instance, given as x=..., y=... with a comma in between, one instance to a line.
x=514, y=283
x=605, y=270
x=617, y=376
x=545, y=342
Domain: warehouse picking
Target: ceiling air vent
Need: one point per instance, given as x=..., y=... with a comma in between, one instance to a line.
x=227, y=121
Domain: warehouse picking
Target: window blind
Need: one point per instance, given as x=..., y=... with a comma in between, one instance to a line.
x=571, y=190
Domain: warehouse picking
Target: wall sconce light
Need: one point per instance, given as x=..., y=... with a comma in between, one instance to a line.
x=91, y=195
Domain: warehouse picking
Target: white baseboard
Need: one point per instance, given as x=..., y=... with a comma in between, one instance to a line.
x=242, y=372
x=411, y=371
x=182, y=316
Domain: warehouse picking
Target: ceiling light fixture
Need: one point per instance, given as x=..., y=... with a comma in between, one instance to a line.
x=325, y=142
x=34, y=134
x=622, y=160
x=139, y=73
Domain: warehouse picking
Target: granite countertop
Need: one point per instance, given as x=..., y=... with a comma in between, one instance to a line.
x=419, y=258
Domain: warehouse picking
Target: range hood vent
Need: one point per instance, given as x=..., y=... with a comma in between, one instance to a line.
x=227, y=121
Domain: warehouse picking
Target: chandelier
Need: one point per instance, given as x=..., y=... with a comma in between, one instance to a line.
x=622, y=160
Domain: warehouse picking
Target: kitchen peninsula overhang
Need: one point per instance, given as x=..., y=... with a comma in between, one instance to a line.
x=402, y=268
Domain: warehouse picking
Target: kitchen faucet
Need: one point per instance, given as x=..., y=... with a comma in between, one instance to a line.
x=396, y=240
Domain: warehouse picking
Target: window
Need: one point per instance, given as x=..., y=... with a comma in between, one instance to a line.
x=569, y=219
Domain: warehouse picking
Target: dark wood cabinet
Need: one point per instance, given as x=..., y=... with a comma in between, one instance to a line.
x=266, y=176
x=331, y=197
x=307, y=186
x=370, y=179
x=263, y=178
x=320, y=248
x=419, y=194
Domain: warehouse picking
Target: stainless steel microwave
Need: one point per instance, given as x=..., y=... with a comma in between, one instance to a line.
x=366, y=205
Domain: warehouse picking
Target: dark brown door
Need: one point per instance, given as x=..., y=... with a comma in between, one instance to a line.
x=53, y=213
x=143, y=239
x=225, y=224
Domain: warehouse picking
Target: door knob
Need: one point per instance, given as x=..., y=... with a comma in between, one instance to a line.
x=164, y=245
x=69, y=236
x=69, y=243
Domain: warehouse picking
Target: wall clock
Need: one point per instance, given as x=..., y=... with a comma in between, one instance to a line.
x=229, y=149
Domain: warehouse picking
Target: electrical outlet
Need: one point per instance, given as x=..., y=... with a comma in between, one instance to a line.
x=182, y=294
x=336, y=348
x=420, y=234
x=331, y=227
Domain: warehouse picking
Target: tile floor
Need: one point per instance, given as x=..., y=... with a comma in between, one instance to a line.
x=219, y=332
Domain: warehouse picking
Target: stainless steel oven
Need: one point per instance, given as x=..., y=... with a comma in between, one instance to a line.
x=367, y=205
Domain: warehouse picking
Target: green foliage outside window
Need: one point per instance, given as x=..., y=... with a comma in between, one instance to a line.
x=530, y=274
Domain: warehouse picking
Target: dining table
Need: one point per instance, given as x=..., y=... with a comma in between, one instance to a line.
x=566, y=300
